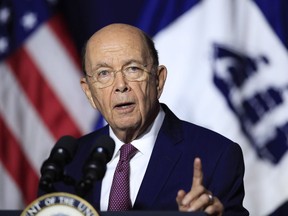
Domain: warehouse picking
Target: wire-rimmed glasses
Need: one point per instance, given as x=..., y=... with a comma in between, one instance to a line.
x=105, y=76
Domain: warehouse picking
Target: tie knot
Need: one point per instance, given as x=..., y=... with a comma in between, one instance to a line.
x=127, y=151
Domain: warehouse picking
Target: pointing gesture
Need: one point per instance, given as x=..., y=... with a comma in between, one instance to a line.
x=199, y=198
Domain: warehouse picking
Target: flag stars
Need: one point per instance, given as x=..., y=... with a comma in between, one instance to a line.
x=4, y=15
x=29, y=20
x=3, y=45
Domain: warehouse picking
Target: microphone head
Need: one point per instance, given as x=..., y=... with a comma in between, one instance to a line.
x=95, y=166
x=103, y=145
x=67, y=146
x=52, y=168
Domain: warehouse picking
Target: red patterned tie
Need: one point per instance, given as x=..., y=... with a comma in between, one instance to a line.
x=119, y=199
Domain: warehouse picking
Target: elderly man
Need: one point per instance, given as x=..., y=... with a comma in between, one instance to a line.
x=175, y=165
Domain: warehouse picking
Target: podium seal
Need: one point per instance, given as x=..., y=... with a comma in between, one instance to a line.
x=59, y=204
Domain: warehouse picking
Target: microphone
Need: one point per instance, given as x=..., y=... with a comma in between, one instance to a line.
x=95, y=166
x=52, y=169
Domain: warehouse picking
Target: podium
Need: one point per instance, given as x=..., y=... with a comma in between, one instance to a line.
x=61, y=203
x=127, y=213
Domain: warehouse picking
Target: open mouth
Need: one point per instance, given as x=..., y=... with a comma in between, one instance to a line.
x=123, y=105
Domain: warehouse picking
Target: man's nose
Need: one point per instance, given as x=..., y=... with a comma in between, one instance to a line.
x=120, y=82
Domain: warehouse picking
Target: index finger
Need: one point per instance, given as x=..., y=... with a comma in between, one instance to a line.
x=198, y=174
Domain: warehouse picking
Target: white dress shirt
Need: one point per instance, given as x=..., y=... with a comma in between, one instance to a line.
x=138, y=163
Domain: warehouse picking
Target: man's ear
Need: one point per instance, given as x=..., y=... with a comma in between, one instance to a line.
x=86, y=89
x=161, y=78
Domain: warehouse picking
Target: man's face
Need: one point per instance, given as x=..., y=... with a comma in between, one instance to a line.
x=127, y=106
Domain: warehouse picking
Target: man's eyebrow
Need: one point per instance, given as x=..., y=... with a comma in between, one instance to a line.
x=133, y=61
x=99, y=65
x=128, y=62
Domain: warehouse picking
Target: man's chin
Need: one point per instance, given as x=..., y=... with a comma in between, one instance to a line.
x=126, y=125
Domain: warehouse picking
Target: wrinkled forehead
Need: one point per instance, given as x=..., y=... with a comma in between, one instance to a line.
x=116, y=45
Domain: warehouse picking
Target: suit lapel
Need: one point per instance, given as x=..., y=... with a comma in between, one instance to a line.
x=162, y=162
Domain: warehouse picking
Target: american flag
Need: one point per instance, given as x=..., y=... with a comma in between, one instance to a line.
x=40, y=95
x=227, y=66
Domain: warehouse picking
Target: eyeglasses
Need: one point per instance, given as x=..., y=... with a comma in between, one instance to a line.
x=104, y=77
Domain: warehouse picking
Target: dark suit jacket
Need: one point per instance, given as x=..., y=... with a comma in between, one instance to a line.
x=171, y=167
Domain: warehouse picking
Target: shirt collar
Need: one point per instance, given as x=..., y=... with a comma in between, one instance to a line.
x=146, y=141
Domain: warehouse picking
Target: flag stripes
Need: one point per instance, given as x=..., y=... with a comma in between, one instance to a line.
x=10, y=189
x=22, y=119
x=58, y=27
x=16, y=163
x=49, y=108
x=60, y=71
x=41, y=100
